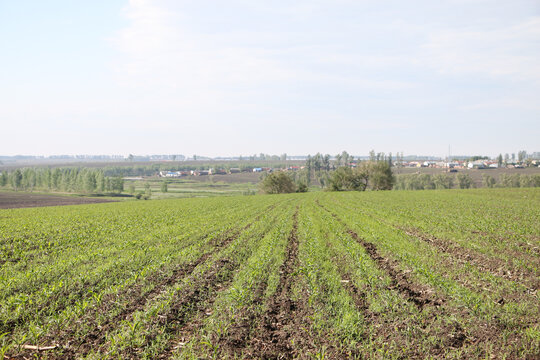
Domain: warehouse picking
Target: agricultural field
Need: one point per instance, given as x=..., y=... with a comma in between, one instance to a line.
x=198, y=186
x=450, y=274
x=11, y=199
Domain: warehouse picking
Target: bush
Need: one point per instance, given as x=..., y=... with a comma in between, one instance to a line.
x=464, y=181
x=278, y=183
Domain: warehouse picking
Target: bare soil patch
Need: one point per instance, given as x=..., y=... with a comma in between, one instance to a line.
x=13, y=200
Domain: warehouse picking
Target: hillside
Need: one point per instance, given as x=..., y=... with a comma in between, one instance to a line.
x=442, y=274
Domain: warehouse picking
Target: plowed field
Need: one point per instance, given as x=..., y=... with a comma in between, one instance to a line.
x=376, y=275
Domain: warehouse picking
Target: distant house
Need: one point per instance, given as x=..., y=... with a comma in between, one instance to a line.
x=476, y=165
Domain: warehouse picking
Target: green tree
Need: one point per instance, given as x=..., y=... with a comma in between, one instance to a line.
x=443, y=181
x=278, y=183
x=500, y=160
x=147, y=191
x=3, y=178
x=16, y=179
x=488, y=181
x=380, y=175
x=117, y=184
x=345, y=178
x=90, y=183
x=341, y=179
x=464, y=181
x=164, y=186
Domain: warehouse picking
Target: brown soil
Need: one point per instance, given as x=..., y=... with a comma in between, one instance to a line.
x=13, y=200
x=240, y=332
x=454, y=335
x=389, y=330
x=196, y=299
x=71, y=344
x=185, y=331
x=415, y=293
x=285, y=319
x=494, y=266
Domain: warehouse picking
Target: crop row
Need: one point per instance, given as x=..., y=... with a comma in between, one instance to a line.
x=439, y=274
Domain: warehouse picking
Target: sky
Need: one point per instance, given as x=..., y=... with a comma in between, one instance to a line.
x=225, y=78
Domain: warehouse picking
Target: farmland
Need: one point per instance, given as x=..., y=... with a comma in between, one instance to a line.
x=424, y=274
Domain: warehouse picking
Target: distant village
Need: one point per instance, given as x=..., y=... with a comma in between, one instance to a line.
x=211, y=171
x=450, y=166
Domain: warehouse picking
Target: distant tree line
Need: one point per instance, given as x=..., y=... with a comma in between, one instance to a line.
x=80, y=180
x=462, y=181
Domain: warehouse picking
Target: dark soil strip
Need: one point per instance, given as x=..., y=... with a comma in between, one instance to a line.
x=241, y=329
x=72, y=345
x=195, y=299
x=386, y=329
x=184, y=329
x=494, y=266
x=285, y=319
x=14, y=200
x=415, y=293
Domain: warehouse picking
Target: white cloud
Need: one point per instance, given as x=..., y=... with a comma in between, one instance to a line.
x=510, y=51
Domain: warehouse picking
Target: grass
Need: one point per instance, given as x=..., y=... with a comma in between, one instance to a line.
x=437, y=274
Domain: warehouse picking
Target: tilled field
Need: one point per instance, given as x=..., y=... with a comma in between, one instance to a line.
x=15, y=200
x=425, y=274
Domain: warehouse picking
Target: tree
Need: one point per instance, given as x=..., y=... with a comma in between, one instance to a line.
x=164, y=187
x=17, y=179
x=117, y=184
x=500, y=160
x=278, y=183
x=380, y=176
x=443, y=181
x=345, y=178
x=488, y=181
x=341, y=179
x=90, y=183
x=522, y=155
x=338, y=160
x=326, y=162
x=3, y=179
x=372, y=155
x=464, y=181
x=147, y=191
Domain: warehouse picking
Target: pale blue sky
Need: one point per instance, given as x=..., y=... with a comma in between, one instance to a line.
x=242, y=77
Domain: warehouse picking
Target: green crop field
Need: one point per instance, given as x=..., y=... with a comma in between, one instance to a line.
x=326, y=275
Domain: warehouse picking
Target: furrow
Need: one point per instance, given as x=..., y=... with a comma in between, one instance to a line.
x=280, y=324
x=417, y=294
x=494, y=266
x=72, y=344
